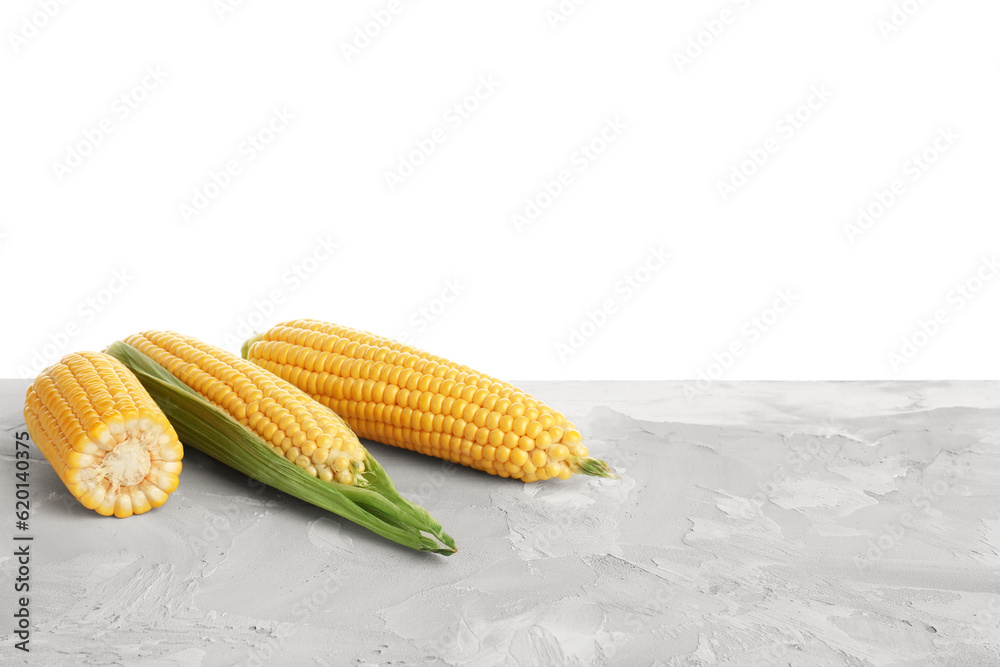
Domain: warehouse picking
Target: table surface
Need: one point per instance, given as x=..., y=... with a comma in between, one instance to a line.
x=754, y=523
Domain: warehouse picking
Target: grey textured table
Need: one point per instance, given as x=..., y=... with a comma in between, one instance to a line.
x=756, y=523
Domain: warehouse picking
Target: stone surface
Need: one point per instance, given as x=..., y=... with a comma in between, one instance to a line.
x=754, y=523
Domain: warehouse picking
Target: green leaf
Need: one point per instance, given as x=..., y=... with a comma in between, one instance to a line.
x=585, y=465
x=377, y=505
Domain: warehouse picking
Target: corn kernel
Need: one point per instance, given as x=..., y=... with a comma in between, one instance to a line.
x=496, y=437
x=518, y=457
x=559, y=452
x=571, y=437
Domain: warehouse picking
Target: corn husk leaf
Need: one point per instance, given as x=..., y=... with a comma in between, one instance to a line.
x=377, y=505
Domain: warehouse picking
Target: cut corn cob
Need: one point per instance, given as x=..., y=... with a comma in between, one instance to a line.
x=398, y=395
x=268, y=429
x=110, y=444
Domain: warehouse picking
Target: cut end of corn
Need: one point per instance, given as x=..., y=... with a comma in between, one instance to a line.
x=106, y=438
x=398, y=395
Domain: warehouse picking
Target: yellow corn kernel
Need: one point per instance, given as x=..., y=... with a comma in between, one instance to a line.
x=538, y=458
x=518, y=457
x=559, y=452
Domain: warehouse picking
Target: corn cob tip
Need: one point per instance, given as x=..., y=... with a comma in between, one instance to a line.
x=585, y=465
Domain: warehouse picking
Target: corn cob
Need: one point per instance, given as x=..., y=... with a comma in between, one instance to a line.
x=398, y=395
x=110, y=444
x=268, y=429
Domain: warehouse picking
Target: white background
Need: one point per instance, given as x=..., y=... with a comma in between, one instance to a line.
x=65, y=231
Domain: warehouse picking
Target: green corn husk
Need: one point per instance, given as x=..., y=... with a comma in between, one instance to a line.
x=586, y=465
x=376, y=504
